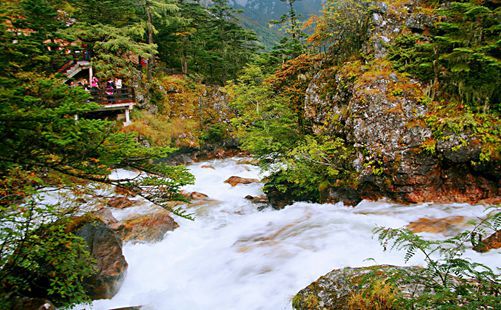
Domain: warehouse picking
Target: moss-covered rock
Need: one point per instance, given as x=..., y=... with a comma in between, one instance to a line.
x=342, y=289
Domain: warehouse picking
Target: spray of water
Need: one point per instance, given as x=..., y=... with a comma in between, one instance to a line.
x=235, y=257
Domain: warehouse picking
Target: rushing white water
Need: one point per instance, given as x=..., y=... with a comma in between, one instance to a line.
x=235, y=257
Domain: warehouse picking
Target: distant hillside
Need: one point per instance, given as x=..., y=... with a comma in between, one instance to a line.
x=258, y=13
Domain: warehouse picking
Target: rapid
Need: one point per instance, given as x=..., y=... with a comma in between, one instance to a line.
x=236, y=257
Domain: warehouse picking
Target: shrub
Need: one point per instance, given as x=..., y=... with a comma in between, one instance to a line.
x=449, y=280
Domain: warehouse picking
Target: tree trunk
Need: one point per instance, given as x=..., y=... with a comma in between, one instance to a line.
x=149, y=68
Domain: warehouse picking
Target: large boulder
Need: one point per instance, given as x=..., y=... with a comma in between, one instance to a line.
x=148, y=227
x=337, y=289
x=106, y=248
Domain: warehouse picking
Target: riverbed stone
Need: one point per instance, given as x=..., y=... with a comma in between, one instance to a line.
x=436, y=225
x=198, y=196
x=207, y=167
x=120, y=202
x=149, y=227
x=235, y=180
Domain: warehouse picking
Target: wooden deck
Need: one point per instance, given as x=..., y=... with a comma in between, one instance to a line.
x=120, y=100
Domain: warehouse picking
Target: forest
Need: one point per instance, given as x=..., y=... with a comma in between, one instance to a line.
x=366, y=100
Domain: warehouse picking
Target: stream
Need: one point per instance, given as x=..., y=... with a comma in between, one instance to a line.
x=236, y=257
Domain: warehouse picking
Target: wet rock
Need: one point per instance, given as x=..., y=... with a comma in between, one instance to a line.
x=491, y=243
x=181, y=159
x=234, y=181
x=436, y=225
x=125, y=191
x=198, y=196
x=207, y=167
x=385, y=124
x=194, y=195
x=27, y=303
x=333, y=290
x=149, y=227
x=105, y=216
x=120, y=202
x=248, y=161
x=347, y=196
x=106, y=248
x=257, y=199
x=277, y=199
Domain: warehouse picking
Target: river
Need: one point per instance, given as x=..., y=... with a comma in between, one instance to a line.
x=236, y=257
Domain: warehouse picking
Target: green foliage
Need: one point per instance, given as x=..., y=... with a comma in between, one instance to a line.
x=37, y=256
x=209, y=42
x=448, y=122
x=448, y=280
x=265, y=125
x=215, y=134
x=342, y=29
x=292, y=44
x=58, y=256
x=313, y=166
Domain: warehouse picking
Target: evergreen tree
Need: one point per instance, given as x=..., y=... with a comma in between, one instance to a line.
x=44, y=147
x=460, y=58
x=292, y=44
x=210, y=41
x=155, y=9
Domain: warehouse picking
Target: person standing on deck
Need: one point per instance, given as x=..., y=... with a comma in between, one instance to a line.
x=94, y=83
x=118, y=83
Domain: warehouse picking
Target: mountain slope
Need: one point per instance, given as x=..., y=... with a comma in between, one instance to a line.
x=258, y=13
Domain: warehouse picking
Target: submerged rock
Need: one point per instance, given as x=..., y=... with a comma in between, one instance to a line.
x=436, y=225
x=198, y=196
x=257, y=199
x=491, y=243
x=207, y=167
x=106, y=248
x=234, y=181
x=248, y=161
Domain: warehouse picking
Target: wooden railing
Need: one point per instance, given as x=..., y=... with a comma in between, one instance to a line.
x=118, y=96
